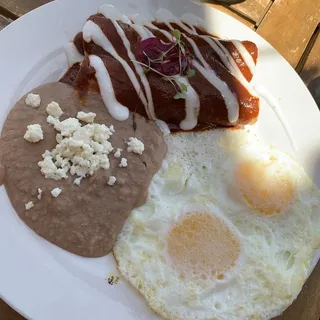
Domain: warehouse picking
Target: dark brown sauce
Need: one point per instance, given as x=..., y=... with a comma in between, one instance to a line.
x=213, y=111
x=70, y=76
x=78, y=42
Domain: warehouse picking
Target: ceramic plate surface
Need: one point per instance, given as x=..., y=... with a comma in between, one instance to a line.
x=42, y=281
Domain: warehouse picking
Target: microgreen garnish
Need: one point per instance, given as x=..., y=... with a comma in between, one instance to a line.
x=179, y=95
x=183, y=86
x=167, y=59
x=190, y=72
x=177, y=34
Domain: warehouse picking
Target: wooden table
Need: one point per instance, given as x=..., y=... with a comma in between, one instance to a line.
x=293, y=28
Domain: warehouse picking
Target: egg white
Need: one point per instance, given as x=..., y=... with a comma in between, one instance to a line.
x=276, y=250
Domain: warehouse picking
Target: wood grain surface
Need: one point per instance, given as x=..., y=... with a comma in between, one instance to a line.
x=20, y=7
x=245, y=21
x=252, y=8
x=289, y=26
x=3, y=21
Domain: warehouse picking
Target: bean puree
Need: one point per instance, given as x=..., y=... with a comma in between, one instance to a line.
x=84, y=219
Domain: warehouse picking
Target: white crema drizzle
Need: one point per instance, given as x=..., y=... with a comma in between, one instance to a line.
x=92, y=32
x=166, y=16
x=181, y=25
x=116, y=110
x=221, y=51
x=112, y=13
x=229, y=62
x=192, y=105
x=198, y=54
x=143, y=32
x=109, y=11
x=229, y=98
x=150, y=109
x=246, y=56
x=167, y=34
x=193, y=29
x=72, y=53
x=218, y=51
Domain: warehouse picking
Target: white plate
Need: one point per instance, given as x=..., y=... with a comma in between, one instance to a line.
x=44, y=282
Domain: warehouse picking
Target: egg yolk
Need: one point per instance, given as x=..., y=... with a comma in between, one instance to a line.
x=202, y=246
x=265, y=186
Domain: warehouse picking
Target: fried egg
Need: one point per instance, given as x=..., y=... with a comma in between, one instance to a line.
x=228, y=232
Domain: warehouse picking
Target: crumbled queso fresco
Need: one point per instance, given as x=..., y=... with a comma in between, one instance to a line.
x=53, y=109
x=33, y=100
x=135, y=145
x=81, y=149
x=34, y=133
x=112, y=129
x=29, y=205
x=112, y=180
x=123, y=163
x=77, y=181
x=117, y=154
x=86, y=117
x=52, y=120
x=39, y=194
x=56, y=192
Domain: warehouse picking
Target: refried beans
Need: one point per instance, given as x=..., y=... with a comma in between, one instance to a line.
x=84, y=219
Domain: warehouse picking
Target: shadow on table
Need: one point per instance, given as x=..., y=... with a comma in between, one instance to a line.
x=314, y=88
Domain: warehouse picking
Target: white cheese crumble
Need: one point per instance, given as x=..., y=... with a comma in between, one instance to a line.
x=33, y=100
x=52, y=120
x=80, y=151
x=59, y=137
x=117, y=154
x=67, y=127
x=34, y=133
x=47, y=153
x=135, y=145
x=29, y=205
x=39, y=193
x=86, y=117
x=112, y=129
x=123, y=163
x=77, y=181
x=112, y=180
x=53, y=109
x=56, y=192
